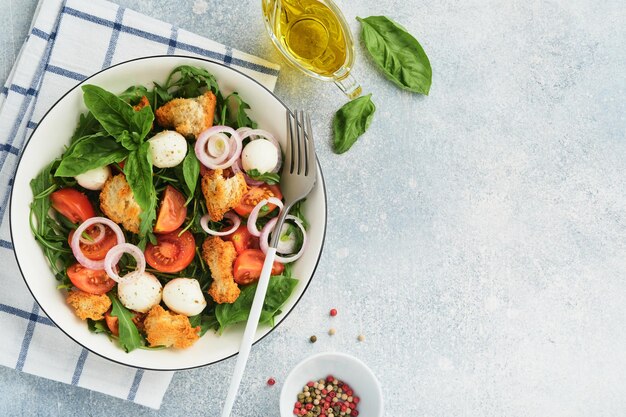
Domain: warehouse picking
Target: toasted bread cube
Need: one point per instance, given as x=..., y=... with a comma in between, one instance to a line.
x=188, y=116
x=164, y=328
x=88, y=306
x=219, y=256
x=222, y=194
x=118, y=203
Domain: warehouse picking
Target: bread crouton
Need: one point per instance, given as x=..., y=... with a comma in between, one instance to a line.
x=219, y=256
x=222, y=194
x=188, y=116
x=118, y=203
x=143, y=102
x=88, y=306
x=164, y=328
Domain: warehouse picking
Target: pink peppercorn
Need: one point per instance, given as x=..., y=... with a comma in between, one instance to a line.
x=271, y=381
x=333, y=312
x=330, y=378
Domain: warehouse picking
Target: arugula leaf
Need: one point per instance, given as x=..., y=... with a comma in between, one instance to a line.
x=88, y=153
x=351, y=121
x=134, y=93
x=397, y=53
x=267, y=177
x=98, y=326
x=296, y=210
x=279, y=289
x=51, y=236
x=206, y=322
x=129, y=337
x=87, y=125
x=191, y=171
x=236, y=112
x=188, y=82
x=138, y=170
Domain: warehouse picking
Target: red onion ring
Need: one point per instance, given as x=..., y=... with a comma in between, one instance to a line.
x=75, y=243
x=94, y=240
x=236, y=167
x=254, y=214
x=267, y=135
x=212, y=144
x=115, y=254
x=202, y=152
x=265, y=234
x=204, y=223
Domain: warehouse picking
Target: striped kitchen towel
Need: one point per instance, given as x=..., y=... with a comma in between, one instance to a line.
x=68, y=41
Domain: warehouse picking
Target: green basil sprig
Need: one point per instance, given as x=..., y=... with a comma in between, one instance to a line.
x=398, y=54
x=351, y=121
x=191, y=171
x=129, y=128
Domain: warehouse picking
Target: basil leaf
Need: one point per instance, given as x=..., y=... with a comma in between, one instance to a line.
x=138, y=170
x=351, y=121
x=397, y=53
x=267, y=177
x=129, y=337
x=141, y=123
x=279, y=289
x=113, y=113
x=88, y=153
x=191, y=171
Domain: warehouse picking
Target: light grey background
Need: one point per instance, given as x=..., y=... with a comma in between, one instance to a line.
x=477, y=237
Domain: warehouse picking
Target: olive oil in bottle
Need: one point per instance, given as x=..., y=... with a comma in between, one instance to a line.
x=310, y=32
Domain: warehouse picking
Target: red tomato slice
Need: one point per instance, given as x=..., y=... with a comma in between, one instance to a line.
x=254, y=196
x=112, y=323
x=89, y=280
x=171, y=253
x=97, y=251
x=72, y=204
x=248, y=266
x=242, y=239
x=173, y=211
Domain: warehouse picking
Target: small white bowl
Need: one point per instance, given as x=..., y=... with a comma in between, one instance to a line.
x=343, y=367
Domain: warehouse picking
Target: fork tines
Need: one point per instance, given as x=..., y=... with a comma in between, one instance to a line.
x=300, y=155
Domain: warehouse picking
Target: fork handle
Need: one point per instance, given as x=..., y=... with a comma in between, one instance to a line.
x=249, y=332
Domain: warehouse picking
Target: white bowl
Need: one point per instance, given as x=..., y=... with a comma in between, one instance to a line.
x=343, y=367
x=47, y=142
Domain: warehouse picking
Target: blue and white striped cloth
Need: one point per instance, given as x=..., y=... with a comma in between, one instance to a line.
x=68, y=41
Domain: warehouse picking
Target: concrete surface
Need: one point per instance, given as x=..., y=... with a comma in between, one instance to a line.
x=476, y=237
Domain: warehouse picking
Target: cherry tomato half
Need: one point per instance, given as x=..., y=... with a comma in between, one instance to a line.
x=254, y=196
x=97, y=251
x=171, y=253
x=172, y=212
x=90, y=280
x=72, y=204
x=248, y=266
x=242, y=239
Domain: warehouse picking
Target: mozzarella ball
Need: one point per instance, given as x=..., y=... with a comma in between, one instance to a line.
x=167, y=149
x=139, y=291
x=184, y=296
x=261, y=155
x=94, y=179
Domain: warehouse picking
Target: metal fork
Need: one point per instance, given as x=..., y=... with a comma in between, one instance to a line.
x=297, y=180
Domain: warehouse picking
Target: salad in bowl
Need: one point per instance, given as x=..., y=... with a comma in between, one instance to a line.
x=155, y=218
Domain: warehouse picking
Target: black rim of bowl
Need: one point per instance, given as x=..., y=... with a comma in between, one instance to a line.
x=78, y=85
